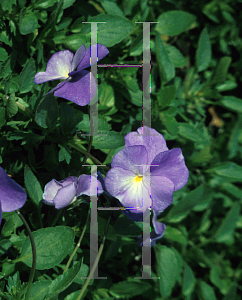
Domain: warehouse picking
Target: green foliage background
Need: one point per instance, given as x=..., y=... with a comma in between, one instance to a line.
x=196, y=104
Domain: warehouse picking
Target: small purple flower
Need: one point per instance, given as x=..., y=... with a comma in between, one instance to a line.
x=76, y=84
x=12, y=195
x=145, y=174
x=64, y=192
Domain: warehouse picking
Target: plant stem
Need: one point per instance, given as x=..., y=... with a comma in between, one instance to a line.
x=96, y=260
x=78, y=244
x=56, y=217
x=94, y=159
x=88, y=150
x=31, y=276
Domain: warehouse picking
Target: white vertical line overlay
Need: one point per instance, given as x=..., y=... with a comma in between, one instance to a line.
x=93, y=64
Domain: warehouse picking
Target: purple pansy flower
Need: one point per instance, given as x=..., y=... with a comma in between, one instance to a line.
x=12, y=195
x=79, y=86
x=145, y=174
x=64, y=192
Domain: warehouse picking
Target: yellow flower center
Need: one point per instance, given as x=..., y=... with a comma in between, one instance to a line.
x=138, y=178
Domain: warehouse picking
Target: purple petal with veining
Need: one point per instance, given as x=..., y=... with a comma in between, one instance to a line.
x=65, y=195
x=171, y=165
x=58, y=67
x=152, y=140
x=78, y=88
x=100, y=52
x=78, y=57
x=121, y=184
x=162, y=189
x=131, y=158
x=12, y=195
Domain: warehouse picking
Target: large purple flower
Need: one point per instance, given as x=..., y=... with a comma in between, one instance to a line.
x=12, y=195
x=145, y=174
x=64, y=192
x=78, y=86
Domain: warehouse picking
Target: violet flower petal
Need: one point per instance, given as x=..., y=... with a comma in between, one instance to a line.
x=171, y=165
x=155, y=143
x=68, y=180
x=84, y=186
x=77, y=89
x=50, y=191
x=101, y=51
x=121, y=184
x=0, y=212
x=12, y=195
x=78, y=57
x=159, y=227
x=65, y=195
x=162, y=189
x=130, y=157
x=58, y=67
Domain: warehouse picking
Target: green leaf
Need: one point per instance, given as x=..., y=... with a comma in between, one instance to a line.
x=47, y=112
x=234, y=143
x=7, y=5
x=33, y=186
x=52, y=246
x=112, y=8
x=11, y=106
x=185, y=205
x=175, y=56
x=166, y=95
x=108, y=140
x=193, y=133
x=4, y=246
x=207, y=292
x=232, y=103
x=106, y=96
x=129, y=288
x=232, y=189
x=85, y=124
x=203, y=156
x=174, y=22
x=27, y=22
x=167, y=269
x=224, y=234
x=203, y=53
x=205, y=200
x=26, y=79
x=111, y=235
x=12, y=223
x=189, y=281
x=43, y=4
x=2, y=116
x=64, y=154
x=62, y=282
x=112, y=32
x=216, y=277
x=67, y=118
x=3, y=54
x=169, y=122
x=82, y=273
x=175, y=235
x=166, y=67
x=229, y=170
x=137, y=45
x=126, y=227
x=39, y=290
x=232, y=294
x=220, y=73
x=73, y=296
x=74, y=41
